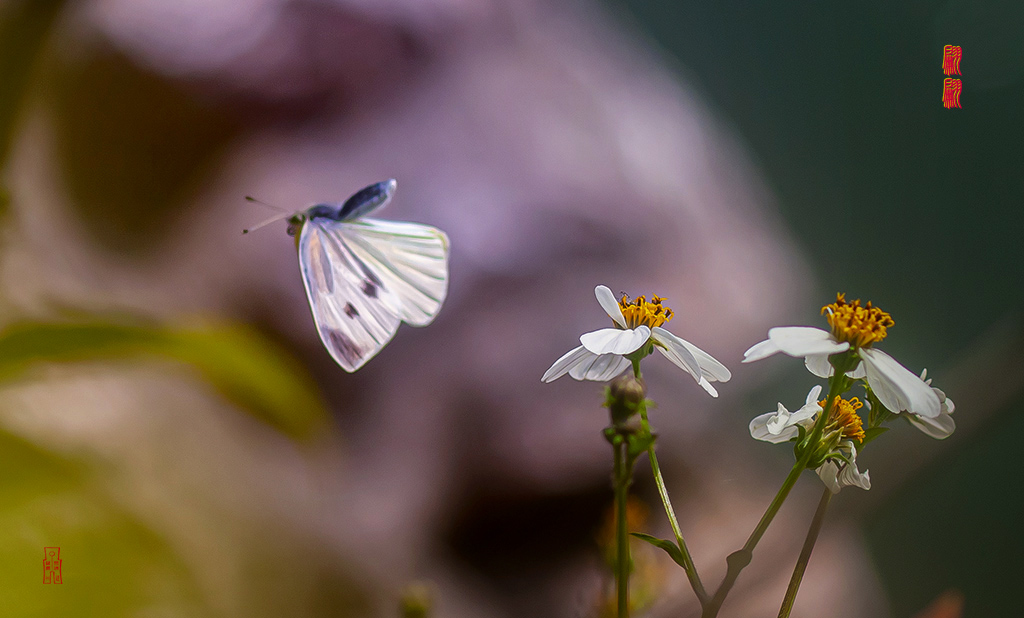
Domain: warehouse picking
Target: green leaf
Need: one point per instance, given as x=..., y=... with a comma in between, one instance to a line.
x=237, y=362
x=669, y=547
x=872, y=433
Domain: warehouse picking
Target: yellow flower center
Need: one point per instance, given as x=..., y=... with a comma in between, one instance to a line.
x=640, y=311
x=860, y=326
x=844, y=418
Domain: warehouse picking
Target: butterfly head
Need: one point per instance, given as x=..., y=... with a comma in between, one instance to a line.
x=295, y=223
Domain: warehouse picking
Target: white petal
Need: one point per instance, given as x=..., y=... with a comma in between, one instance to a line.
x=818, y=365
x=835, y=479
x=599, y=368
x=805, y=341
x=896, y=387
x=562, y=366
x=851, y=476
x=707, y=387
x=778, y=421
x=784, y=421
x=948, y=407
x=615, y=340
x=812, y=395
x=828, y=473
x=672, y=348
x=760, y=350
x=759, y=430
x=805, y=413
x=710, y=368
x=940, y=427
x=610, y=305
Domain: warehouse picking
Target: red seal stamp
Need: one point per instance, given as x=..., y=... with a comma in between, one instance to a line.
x=51, y=566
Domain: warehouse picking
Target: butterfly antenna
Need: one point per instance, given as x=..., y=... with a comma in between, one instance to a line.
x=283, y=215
x=250, y=198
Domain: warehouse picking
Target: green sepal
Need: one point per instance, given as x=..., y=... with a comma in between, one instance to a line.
x=640, y=442
x=879, y=413
x=613, y=436
x=669, y=547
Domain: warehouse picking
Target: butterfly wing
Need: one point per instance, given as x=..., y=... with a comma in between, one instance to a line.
x=355, y=314
x=410, y=262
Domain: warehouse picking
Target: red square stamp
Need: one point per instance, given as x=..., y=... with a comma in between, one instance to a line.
x=51, y=565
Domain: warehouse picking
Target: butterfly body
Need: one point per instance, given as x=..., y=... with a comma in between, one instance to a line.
x=364, y=277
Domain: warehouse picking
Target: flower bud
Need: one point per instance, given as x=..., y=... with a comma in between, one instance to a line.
x=625, y=396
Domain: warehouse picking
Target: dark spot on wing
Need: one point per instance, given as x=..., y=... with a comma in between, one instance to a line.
x=345, y=347
x=351, y=311
x=370, y=288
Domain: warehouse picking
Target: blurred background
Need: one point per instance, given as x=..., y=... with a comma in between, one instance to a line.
x=169, y=419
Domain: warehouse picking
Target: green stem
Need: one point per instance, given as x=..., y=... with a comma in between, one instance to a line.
x=659, y=481
x=837, y=385
x=622, y=479
x=805, y=555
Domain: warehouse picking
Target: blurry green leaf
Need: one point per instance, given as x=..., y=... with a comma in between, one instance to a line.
x=670, y=548
x=239, y=363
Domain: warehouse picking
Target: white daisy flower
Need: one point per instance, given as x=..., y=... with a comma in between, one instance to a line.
x=842, y=430
x=605, y=353
x=856, y=327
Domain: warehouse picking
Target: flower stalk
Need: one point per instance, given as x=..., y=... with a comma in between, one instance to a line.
x=659, y=481
x=623, y=479
x=805, y=555
x=624, y=398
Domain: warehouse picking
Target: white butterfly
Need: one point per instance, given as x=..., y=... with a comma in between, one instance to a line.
x=365, y=276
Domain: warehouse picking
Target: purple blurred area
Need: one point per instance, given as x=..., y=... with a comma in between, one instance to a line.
x=558, y=153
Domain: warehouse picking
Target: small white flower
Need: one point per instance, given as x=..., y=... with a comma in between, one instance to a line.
x=852, y=325
x=602, y=355
x=782, y=426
